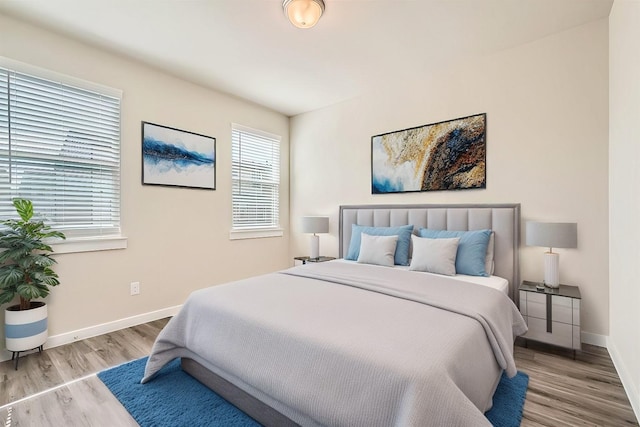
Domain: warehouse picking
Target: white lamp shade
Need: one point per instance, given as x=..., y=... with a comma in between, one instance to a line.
x=303, y=13
x=315, y=224
x=552, y=234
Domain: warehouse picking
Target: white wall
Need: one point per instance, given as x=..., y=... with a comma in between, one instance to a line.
x=624, y=200
x=547, y=130
x=178, y=239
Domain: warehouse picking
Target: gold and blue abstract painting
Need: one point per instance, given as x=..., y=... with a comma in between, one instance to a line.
x=178, y=158
x=449, y=155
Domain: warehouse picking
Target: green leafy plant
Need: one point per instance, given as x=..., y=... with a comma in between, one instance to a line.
x=25, y=260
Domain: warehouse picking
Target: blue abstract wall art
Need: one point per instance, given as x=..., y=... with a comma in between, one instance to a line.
x=449, y=155
x=175, y=157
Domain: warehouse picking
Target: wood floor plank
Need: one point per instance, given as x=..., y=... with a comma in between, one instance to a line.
x=82, y=403
x=566, y=392
x=59, y=365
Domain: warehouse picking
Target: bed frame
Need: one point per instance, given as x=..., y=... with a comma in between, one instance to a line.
x=503, y=219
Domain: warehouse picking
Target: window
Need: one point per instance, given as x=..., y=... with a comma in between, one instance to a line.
x=60, y=147
x=255, y=171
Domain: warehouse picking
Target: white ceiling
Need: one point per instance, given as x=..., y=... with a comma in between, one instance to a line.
x=248, y=48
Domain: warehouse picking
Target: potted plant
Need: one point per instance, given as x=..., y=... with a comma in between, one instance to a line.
x=25, y=271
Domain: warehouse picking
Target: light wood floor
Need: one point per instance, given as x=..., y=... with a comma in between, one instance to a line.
x=59, y=387
x=70, y=392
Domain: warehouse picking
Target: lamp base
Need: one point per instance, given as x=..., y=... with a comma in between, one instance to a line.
x=552, y=269
x=315, y=246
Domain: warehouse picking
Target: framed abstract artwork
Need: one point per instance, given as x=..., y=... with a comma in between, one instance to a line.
x=178, y=158
x=449, y=155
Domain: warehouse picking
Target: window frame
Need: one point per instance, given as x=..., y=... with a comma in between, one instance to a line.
x=255, y=232
x=79, y=242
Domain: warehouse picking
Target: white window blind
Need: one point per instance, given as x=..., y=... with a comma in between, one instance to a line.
x=60, y=148
x=255, y=173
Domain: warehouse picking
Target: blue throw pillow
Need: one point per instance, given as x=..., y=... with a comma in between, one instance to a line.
x=401, y=256
x=472, y=249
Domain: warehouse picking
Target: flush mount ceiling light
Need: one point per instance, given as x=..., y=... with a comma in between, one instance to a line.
x=303, y=13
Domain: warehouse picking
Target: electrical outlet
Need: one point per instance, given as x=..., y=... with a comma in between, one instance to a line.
x=135, y=288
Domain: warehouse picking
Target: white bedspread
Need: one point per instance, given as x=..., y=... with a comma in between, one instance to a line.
x=364, y=346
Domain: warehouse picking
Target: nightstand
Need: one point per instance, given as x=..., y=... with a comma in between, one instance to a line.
x=552, y=314
x=306, y=259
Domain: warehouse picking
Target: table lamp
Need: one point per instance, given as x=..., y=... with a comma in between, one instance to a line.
x=315, y=224
x=552, y=235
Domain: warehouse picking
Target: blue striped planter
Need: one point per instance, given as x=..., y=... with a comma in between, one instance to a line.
x=25, y=329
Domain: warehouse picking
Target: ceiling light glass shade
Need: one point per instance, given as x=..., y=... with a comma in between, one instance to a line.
x=303, y=13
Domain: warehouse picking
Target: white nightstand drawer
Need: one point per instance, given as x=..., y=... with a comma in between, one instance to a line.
x=561, y=333
x=523, y=303
x=537, y=309
x=561, y=309
x=536, y=305
x=538, y=297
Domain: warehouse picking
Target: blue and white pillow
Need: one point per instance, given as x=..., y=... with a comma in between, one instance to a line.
x=472, y=249
x=403, y=232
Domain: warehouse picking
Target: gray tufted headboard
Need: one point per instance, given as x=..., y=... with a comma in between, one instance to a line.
x=503, y=219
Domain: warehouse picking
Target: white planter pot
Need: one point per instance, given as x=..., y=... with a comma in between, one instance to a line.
x=25, y=329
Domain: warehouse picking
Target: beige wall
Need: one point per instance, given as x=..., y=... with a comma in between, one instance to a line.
x=624, y=199
x=546, y=105
x=547, y=130
x=178, y=239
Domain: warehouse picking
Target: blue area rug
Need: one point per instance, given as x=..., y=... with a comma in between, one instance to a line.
x=175, y=398
x=508, y=401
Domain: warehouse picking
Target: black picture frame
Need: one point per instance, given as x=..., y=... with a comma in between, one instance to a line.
x=447, y=155
x=177, y=158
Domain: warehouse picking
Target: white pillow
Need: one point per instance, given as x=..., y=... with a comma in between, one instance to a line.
x=379, y=250
x=434, y=255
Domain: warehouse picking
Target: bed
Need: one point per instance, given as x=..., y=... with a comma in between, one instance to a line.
x=358, y=343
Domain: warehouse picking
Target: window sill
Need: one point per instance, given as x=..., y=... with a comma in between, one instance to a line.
x=255, y=233
x=89, y=244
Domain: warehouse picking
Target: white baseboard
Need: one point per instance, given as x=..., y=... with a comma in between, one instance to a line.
x=104, y=328
x=625, y=378
x=594, y=339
